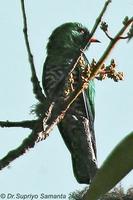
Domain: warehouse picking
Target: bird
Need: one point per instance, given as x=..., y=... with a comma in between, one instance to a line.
x=77, y=126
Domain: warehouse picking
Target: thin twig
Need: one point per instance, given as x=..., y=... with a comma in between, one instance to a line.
x=27, y=143
x=108, y=36
x=23, y=124
x=98, y=20
x=37, y=90
x=109, y=48
x=124, y=37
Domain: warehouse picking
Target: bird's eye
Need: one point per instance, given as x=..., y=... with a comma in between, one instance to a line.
x=81, y=30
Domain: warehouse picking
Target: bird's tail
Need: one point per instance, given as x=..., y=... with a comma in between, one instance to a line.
x=78, y=138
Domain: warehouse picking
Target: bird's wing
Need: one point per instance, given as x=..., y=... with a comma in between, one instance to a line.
x=88, y=96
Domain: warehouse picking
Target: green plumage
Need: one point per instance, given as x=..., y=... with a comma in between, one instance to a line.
x=77, y=127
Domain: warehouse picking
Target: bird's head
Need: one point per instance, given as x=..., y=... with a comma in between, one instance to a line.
x=70, y=37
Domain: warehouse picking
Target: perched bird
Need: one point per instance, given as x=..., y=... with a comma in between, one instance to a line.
x=77, y=127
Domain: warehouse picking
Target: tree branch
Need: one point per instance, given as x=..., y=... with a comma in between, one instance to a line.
x=108, y=36
x=37, y=90
x=27, y=143
x=98, y=20
x=23, y=124
x=109, y=48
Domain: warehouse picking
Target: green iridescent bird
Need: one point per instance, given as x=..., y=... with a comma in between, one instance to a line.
x=77, y=127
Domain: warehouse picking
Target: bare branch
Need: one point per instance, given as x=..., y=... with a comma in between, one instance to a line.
x=124, y=37
x=108, y=36
x=37, y=90
x=23, y=124
x=104, y=27
x=27, y=143
x=98, y=20
x=109, y=48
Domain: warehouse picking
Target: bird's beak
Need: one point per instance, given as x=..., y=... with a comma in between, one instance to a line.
x=94, y=40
